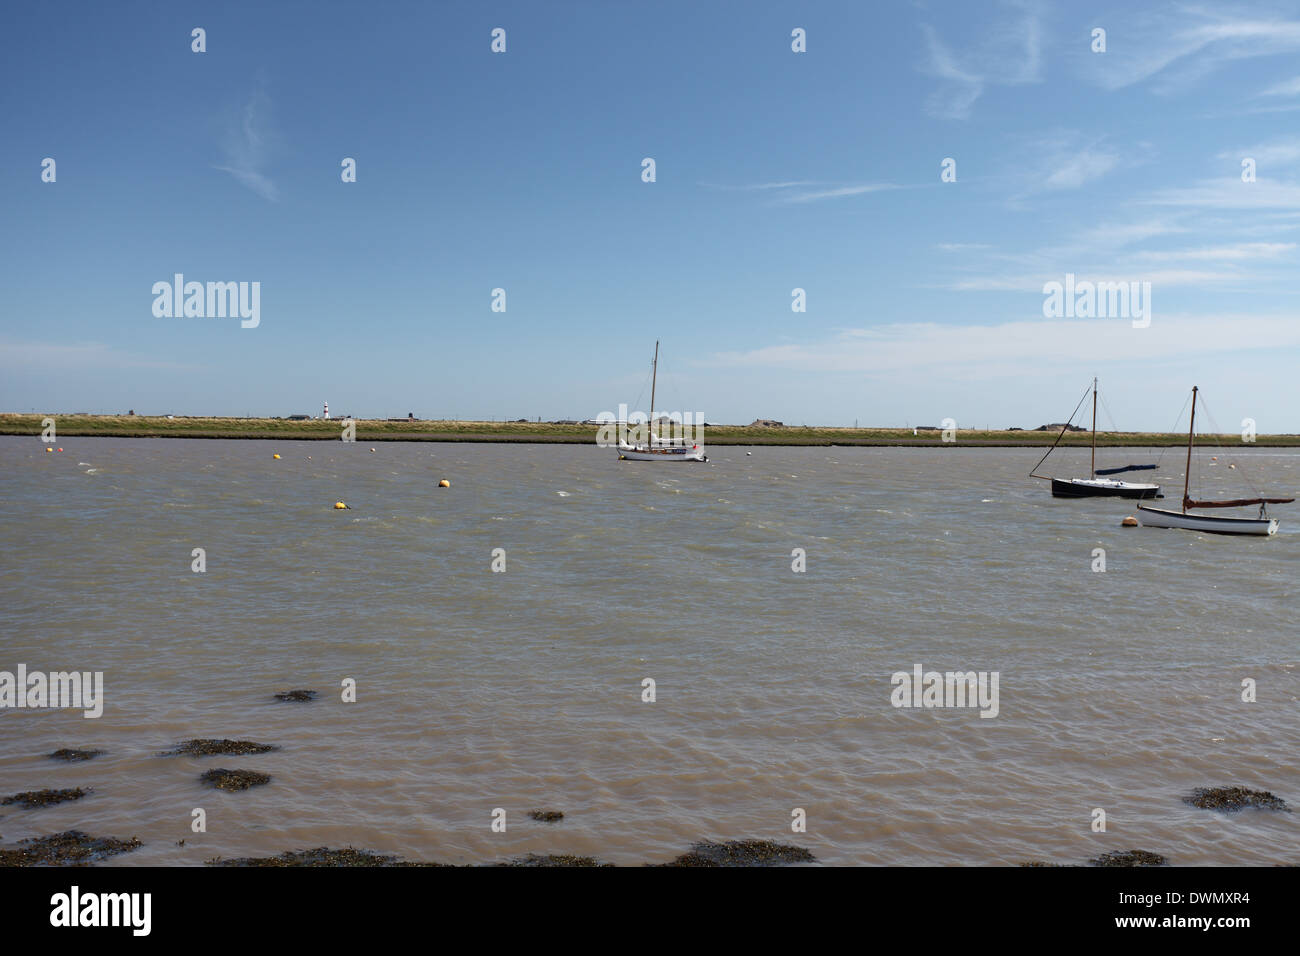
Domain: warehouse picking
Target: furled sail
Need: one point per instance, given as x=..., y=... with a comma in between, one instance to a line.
x=1235, y=502
x=1116, y=471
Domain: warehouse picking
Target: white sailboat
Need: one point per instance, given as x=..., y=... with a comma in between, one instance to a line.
x=657, y=448
x=1213, y=524
x=1094, y=487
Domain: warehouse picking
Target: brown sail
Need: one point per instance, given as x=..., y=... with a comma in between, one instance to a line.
x=1235, y=502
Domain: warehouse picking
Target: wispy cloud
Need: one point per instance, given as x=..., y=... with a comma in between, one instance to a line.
x=1062, y=160
x=1279, y=152
x=1165, y=279
x=1215, y=252
x=1239, y=251
x=1113, y=235
x=1288, y=88
x=962, y=88
x=1230, y=193
x=1009, y=54
x=247, y=143
x=838, y=192
x=1281, y=108
x=1179, y=46
x=1081, y=167
x=797, y=191
x=758, y=187
x=1053, y=342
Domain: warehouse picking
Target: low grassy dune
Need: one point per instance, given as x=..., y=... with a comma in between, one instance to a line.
x=374, y=430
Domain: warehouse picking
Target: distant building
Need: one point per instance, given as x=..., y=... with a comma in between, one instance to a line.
x=299, y=418
x=766, y=423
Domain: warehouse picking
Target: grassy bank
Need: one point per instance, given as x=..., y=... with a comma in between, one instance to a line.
x=141, y=426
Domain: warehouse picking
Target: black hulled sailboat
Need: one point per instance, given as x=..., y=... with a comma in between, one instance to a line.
x=1099, y=484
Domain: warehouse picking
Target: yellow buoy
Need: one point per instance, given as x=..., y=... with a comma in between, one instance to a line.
x=1130, y=522
x=444, y=483
x=276, y=456
x=338, y=505
x=48, y=448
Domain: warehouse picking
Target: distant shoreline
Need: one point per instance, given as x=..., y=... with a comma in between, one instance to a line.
x=142, y=426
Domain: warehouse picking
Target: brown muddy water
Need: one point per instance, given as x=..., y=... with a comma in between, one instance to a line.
x=523, y=690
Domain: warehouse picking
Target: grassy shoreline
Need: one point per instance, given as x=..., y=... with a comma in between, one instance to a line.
x=142, y=426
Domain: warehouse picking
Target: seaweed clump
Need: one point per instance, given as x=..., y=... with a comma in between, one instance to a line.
x=553, y=859
x=206, y=747
x=1129, y=858
x=32, y=799
x=743, y=853
x=297, y=695
x=233, y=780
x=546, y=816
x=321, y=856
x=70, y=848
x=1232, y=799
x=69, y=754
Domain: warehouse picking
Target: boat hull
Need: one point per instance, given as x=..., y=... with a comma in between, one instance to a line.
x=1211, y=524
x=667, y=453
x=1102, y=488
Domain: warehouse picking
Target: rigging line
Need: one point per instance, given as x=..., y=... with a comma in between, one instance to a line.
x=1177, y=429
x=1160, y=456
x=1177, y=421
x=1068, y=422
x=641, y=394
x=1215, y=435
x=671, y=388
x=1106, y=408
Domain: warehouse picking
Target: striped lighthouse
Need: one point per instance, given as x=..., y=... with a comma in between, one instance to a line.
x=327, y=410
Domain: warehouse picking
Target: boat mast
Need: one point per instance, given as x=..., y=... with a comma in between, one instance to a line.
x=654, y=378
x=1094, y=428
x=1191, y=430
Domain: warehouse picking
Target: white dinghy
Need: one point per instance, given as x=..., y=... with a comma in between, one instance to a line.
x=1213, y=524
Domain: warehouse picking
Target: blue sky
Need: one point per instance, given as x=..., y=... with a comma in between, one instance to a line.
x=775, y=170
